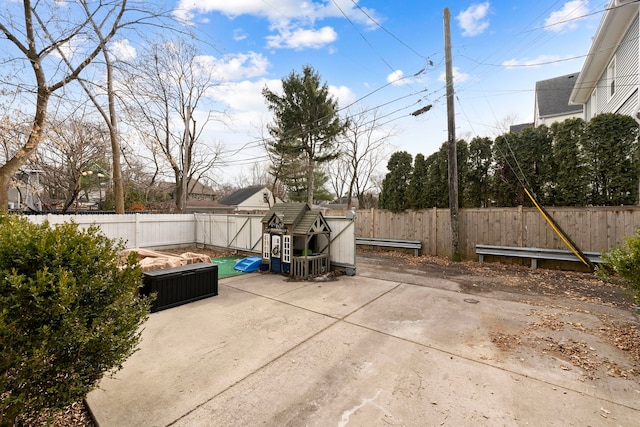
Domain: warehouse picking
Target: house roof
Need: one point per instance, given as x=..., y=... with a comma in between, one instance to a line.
x=239, y=196
x=297, y=217
x=552, y=96
x=613, y=26
x=199, y=188
x=519, y=127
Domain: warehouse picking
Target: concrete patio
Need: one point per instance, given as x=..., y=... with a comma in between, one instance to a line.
x=358, y=351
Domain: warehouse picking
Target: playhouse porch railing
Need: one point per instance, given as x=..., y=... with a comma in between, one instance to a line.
x=310, y=265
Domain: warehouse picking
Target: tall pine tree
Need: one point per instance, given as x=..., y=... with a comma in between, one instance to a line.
x=306, y=125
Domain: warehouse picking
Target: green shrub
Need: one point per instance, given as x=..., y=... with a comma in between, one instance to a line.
x=68, y=314
x=622, y=265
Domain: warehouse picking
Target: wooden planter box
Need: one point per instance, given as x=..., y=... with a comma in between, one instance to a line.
x=180, y=285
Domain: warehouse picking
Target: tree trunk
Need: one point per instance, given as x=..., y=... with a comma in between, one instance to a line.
x=9, y=169
x=310, y=181
x=116, y=172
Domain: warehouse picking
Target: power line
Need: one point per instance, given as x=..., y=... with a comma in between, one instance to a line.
x=429, y=61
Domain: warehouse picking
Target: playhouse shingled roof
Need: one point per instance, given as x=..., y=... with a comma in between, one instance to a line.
x=297, y=217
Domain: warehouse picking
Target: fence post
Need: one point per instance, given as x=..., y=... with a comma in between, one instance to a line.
x=195, y=228
x=522, y=227
x=136, y=230
x=373, y=223
x=434, y=231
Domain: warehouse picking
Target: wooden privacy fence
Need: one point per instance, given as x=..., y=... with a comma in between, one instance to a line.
x=594, y=229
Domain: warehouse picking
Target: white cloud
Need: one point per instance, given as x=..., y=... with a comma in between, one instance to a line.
x=292, y=20
x=301, y=38
x=396, y=78
x=458, y=76
x=239, y=34
x=343, y=94
x=234, y=67
x=565, y=19
x=122, y=50
x=535, y=62
x=282, y=10
x=187, y=9
x=245, y=95
x=473, y=20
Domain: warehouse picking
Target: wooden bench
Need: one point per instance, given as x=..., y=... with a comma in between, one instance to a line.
x=534, y=254
x=416, y=245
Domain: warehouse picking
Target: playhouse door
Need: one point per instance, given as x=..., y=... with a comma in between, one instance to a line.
x=276, y=254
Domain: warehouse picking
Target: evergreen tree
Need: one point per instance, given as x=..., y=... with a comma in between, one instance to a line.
x=417, y=191
x=437, y=190
x=462, y=159
x=296, y=185
x=306, y=125
x=477, y=192
x=396, y=182
x=612, y=155
x=569, y=177
x=522, y=160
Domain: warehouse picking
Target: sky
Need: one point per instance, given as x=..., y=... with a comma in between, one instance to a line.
x=384, y=56
x=390, y=56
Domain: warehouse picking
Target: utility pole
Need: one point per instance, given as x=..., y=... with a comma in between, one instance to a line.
x=451, y=126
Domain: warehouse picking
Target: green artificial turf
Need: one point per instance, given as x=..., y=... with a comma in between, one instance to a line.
x=225, y=266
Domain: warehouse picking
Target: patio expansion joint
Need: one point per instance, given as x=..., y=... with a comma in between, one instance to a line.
x=480, y=362
x=336, y=321
x=343, y=319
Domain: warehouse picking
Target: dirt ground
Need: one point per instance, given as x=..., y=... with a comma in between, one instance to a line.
x=549, y=292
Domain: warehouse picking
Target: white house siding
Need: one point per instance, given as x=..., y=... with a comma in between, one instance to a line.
x=630, y=106
x=256, y=202
x=627, y=64
x=548, y=121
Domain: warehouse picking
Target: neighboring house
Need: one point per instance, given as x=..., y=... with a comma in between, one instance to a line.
x=552, y=100
x=519, y=127
x=608, y=81
x=200, y=197
x=199, y=191
x=24, y=191
x=249, y=199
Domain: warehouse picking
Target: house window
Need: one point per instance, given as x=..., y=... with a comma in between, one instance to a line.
x=611, y=78
x=594, y=103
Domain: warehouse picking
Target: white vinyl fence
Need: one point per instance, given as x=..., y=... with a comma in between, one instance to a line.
x=136, y=230
x=237, y=231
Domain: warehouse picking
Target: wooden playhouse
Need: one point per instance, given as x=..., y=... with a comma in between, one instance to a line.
x=295, y=240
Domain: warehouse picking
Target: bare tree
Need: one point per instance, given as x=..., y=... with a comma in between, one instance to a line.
x=35, y=40
x=365, y=148
x=503, y=125
x=70, y=151
x=166, y=87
